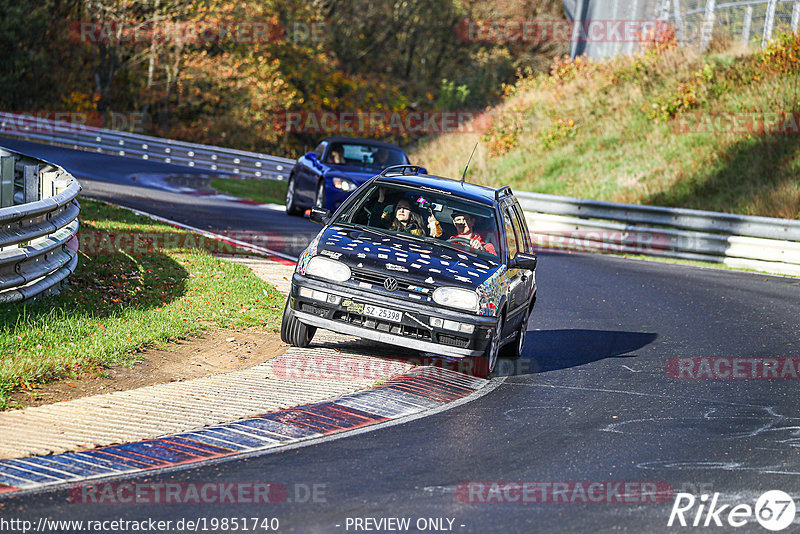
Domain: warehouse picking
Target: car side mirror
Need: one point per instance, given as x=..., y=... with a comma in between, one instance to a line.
x=320, y=215
x=312, y=157
x=524, y=261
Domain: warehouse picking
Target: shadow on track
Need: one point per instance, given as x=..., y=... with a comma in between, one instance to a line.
x=551, y=350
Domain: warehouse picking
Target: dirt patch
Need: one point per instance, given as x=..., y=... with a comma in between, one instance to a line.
x=218, y=351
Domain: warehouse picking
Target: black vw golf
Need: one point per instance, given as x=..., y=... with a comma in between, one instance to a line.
x=419, y=261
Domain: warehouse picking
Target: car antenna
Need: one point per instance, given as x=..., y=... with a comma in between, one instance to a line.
x=464, y=176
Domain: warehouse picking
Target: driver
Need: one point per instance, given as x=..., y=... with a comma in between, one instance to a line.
x=337, y=155
x=465, y=226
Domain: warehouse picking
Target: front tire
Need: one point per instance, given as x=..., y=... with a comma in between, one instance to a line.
x=293, y=331
x=319, y=200
x=484, y=366
x=291, y=194
x=514, y=351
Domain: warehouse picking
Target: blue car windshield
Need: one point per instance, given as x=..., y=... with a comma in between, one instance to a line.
x=365, y=155
x=438, y=218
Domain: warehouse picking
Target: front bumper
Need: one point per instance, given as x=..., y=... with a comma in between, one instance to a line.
x=414, y=330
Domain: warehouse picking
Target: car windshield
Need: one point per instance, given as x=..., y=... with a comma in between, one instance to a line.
x=365, y=155
x=427, y=215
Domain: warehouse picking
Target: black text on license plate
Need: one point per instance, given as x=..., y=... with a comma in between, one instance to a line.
x=383, y=313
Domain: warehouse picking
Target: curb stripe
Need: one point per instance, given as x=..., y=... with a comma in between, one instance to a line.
x=408, y=394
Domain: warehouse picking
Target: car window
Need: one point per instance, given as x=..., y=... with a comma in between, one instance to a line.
x=511, y=238
x=371, y=156
x=320, y=150
x=525, y=237
x=430, y=217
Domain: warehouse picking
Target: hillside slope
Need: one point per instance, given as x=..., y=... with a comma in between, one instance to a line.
x=665, y=127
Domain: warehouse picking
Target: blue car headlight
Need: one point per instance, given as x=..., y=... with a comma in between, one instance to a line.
x=344, y=184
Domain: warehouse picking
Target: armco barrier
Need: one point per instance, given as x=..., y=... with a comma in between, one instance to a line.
x=212, y=158
x=758, y=243
x=38, y=226
x=745, y=242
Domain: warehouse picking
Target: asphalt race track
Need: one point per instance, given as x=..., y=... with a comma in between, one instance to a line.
x=137, y=184
x=591, y=400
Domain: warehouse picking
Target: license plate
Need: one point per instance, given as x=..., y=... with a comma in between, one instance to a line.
x=383, y=313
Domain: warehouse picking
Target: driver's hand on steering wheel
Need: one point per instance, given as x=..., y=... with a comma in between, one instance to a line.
x=475, y=242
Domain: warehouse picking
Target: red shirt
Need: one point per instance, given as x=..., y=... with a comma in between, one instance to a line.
x=488, y=247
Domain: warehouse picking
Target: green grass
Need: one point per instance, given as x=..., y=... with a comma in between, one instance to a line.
x=610, y=131
x=118, y=303
x=264, y=191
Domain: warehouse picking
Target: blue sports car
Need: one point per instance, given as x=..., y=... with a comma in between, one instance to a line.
x=325, y=177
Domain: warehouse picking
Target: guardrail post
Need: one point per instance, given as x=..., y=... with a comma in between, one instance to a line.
x=748, y=23
x=795, y=16
x=769, y=23
x=48, y=180
x=30, y=184
x=6, y=180
x=679, y=21
x=708, y=25
x=663, y=10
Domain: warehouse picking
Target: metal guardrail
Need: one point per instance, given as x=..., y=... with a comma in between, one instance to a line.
x=207, y=157
x=745, y=242
x=758, y=243
x=38, y=226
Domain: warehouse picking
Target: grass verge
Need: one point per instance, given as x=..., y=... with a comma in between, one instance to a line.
x=665, y=127
x=264, y=191
x=123, y=299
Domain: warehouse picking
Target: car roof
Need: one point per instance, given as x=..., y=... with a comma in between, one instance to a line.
x=478, y=193
x=363, y=140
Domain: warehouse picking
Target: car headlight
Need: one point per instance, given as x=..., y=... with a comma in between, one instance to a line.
x=344, y=185
x=455, y=297
x=327, y=268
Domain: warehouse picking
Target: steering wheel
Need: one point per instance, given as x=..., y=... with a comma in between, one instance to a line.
x=460, y=240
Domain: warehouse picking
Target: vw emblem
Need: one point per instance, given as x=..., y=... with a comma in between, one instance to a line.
x=390, y=284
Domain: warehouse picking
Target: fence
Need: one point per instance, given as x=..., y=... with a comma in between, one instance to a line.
x=38, y=226
x=696, y=22
x=744, y=242
x=207, y=157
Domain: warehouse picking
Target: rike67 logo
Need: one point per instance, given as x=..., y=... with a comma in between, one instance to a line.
x=774, y=510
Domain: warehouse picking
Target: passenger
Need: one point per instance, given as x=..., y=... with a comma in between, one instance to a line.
x=401, y=217
x=465, y=226
x=407, y=220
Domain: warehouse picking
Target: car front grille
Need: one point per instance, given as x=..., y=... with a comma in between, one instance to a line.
x=403, y=284
x=382, y=326
x=453, y=341
x=310, y=308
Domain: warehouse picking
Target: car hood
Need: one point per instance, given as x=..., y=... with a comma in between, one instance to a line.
x=406, y=258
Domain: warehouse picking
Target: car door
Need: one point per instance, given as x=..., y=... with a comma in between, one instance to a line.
x=525, y=245
x=306, y=178
x=518, y=278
